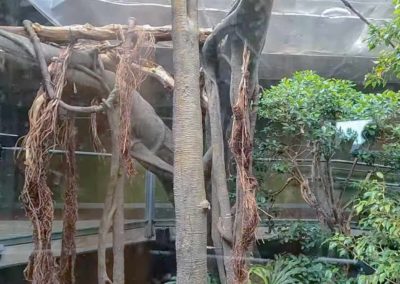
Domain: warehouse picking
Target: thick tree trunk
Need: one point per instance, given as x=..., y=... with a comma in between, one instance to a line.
x=109, y=204
x=245, y=25
x=219, y=184
x=190, y=201
x=119, y=233
x=216, y=236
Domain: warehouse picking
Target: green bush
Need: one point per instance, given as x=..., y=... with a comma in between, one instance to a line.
x=379, y=244
x=297, y=270
x=309, y=235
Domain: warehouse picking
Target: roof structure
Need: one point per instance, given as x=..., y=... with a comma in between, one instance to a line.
x=321, y=35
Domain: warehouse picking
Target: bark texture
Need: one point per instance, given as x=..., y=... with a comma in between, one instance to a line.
x=245, y=25
x=190, y=201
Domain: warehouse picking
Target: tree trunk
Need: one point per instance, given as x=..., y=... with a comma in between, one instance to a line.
x=119, y=232
x=219, y=184
x=189, y=192
x=106, y=221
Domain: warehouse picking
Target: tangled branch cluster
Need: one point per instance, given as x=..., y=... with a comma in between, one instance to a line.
x=135, y=51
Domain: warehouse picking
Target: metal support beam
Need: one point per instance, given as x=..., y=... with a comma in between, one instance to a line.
x=150, y=199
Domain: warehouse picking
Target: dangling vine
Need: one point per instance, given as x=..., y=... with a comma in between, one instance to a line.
x=36, y=196
x=68, y=246
x=51, y=125
x=242, y=148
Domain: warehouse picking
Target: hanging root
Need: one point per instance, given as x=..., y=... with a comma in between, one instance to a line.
x=97, y=144
x=36, y=195
x=68, y=247
x=241, y=146
x=135, y=51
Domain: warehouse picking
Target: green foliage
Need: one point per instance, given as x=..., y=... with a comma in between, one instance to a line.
x=296, y=269
x=388, y=134
x=390, y=154
x=378, y=247
x=303, y=110
x=279, y=271
x=310, y=235
x=386, y=35
x=307, y=106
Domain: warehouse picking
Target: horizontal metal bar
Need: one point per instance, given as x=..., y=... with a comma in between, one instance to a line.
x=349, y=162
x=137, y=205
x=338, y=260
x=85, y=153
x=8, y=134
x=80, y=232
x=386, y=183
x=82, y=153
x=266, y=260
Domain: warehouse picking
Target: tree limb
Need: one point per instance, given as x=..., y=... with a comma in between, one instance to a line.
x=65, y=34
x=362, y=18
x=147, y=126
x=159, y=73
x=141, y=153
x=41, y=59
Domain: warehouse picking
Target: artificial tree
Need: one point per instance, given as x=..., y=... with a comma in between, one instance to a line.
x=141, y=133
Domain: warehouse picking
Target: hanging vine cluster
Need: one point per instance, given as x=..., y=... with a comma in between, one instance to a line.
x=52, y=124
x=241, y=145
x=36, y=195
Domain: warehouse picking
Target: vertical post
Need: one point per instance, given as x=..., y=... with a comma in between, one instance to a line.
x=191, y=205
x=150, y=200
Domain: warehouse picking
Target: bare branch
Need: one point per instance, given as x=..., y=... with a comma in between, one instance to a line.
x=159, y=73
x=109, y=32
x=40, y=57
x=288, y=181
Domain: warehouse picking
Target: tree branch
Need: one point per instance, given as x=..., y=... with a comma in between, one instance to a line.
x=362, y=18
x=159, y=73
x=148, y=127
x=41, y=59
x=65, y=34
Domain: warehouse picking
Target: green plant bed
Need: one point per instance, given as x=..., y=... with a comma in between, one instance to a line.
x=289, y=269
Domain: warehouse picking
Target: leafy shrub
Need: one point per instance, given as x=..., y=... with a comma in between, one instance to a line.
x=310, y=235
x=379, y=245
x=301, y=115
x=296, y=270
x=385, y=35
x=307, y=106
